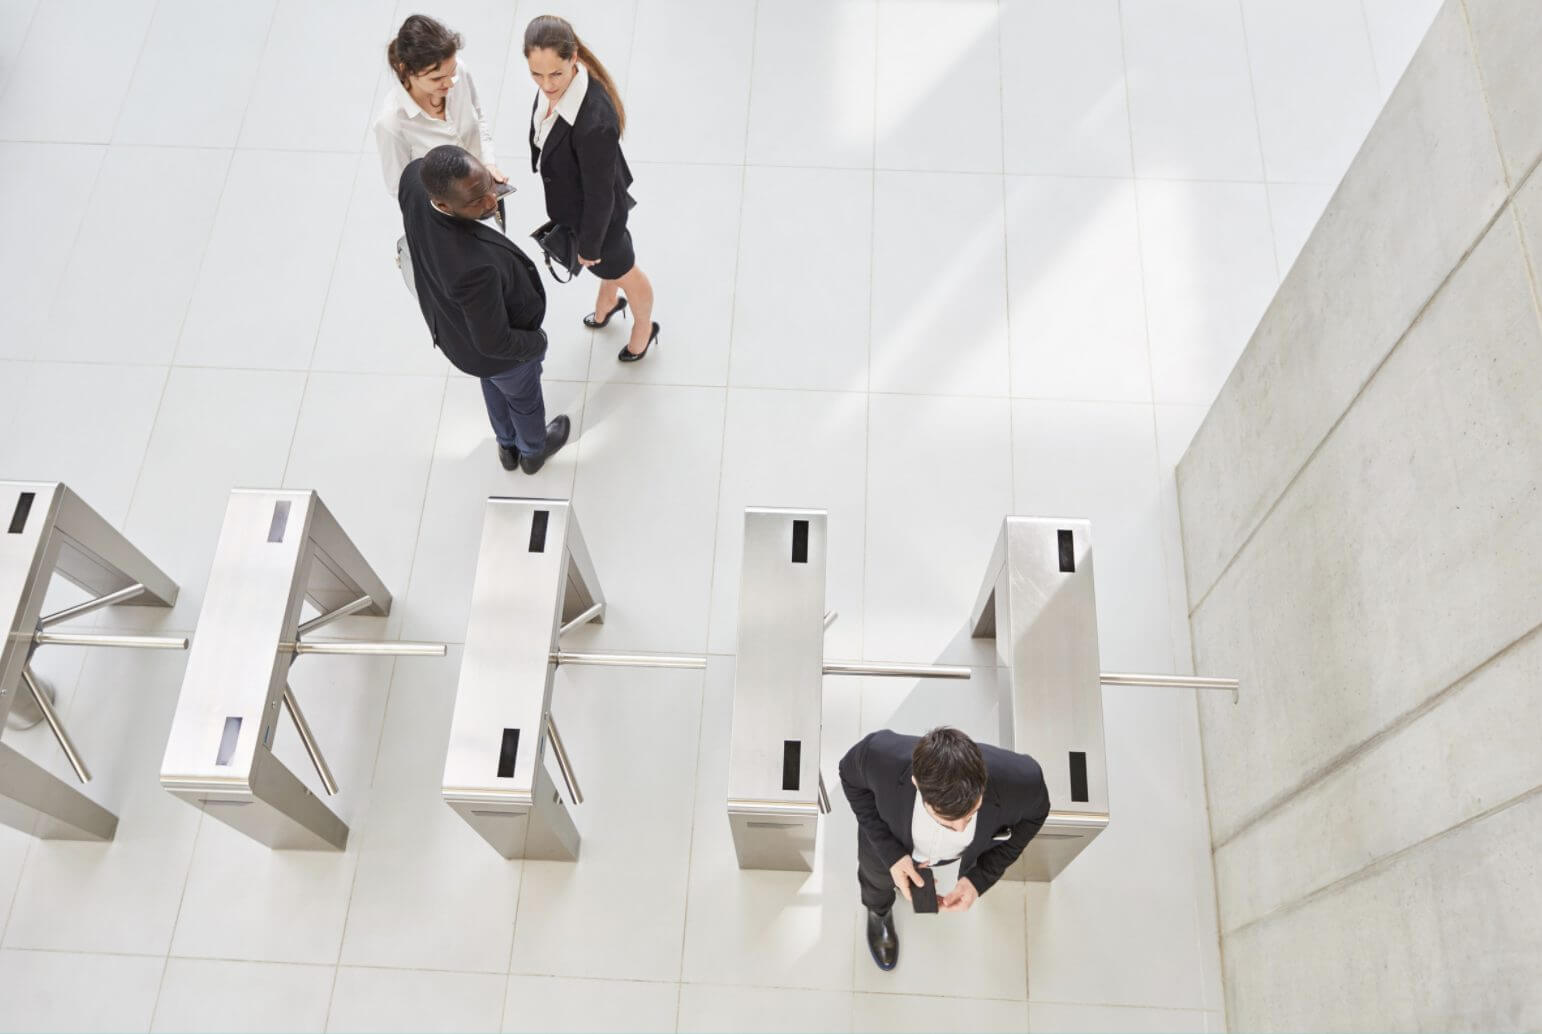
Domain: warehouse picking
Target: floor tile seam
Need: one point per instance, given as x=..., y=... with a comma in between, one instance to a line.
x=1258, y=122
x=853, y=990
x=1182, y=573
x=57, y=289
x=208, y=241
x=1382, y=86
x=1382, y=864
x=425, y=375
x=1350, y=755
x=26, y=35
x=144, y=456
x=1261, y=181
x=171, y=939
x=1365, y=385
x=41, y=950
x=139, y=56
x=717, y=496
x=1006, y=291
x=1075, y=1003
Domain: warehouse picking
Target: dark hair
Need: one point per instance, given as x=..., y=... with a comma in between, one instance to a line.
x=949, y=771
x=421, y=44
x=549, y=32
x=443, y=169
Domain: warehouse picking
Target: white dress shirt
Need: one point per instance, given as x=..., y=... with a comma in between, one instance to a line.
x=935, y=842
x=566, y=108
x=405, y=132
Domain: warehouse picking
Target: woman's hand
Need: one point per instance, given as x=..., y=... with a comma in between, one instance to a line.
x=498, y=177
x=586, y=263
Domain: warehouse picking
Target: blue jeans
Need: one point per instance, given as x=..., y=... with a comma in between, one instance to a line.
x=516, y=407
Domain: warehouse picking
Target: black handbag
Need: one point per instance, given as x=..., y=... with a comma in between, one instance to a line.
x=559, y=246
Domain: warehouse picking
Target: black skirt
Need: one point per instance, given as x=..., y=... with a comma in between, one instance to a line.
x=616, y=255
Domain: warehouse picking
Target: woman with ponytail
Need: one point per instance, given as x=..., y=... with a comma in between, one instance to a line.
x=575, y=147
x=434, y=102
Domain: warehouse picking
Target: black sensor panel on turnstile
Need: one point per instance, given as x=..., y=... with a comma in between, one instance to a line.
x=507, y=753
x=792, y=761
x=1079, y=776
x=23, y=507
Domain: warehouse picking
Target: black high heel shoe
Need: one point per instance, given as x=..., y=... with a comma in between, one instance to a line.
x=594, y=324
x=628, y=356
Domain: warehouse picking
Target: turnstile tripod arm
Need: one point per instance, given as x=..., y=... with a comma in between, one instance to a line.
x=55, y=726
x=564, y=763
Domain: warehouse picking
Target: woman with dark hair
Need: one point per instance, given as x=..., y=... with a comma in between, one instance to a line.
x=434, y=101
x=575, y=146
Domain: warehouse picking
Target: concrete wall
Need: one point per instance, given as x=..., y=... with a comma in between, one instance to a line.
x=1362, y=527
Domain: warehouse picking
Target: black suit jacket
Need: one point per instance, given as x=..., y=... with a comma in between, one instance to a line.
x=583, y=170
x=876, y=777
x=481, y=296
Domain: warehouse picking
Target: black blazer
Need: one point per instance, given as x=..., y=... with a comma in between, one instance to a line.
x=481, y=296
x=583, y=170
x=876, y=777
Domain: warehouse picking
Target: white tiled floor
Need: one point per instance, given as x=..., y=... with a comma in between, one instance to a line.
x=921, y=263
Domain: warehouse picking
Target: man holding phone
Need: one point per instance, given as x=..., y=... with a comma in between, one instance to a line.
x=481, y=297
x=934, y=812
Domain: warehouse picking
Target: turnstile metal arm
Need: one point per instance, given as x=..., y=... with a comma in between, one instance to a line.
x=308, y=738
x=81, y=609
x=563, y=762
x=57, y=727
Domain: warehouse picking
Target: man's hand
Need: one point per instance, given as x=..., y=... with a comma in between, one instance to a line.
x=587, y=262
x=498, y=176
x=903, y=873
x=959, y=898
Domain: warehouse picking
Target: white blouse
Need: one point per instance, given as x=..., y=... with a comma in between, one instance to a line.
x=566, y=107
x=405, y=132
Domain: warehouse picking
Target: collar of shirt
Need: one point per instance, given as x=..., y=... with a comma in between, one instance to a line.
x=570, y=101
x=934, y=842
x=410, y=108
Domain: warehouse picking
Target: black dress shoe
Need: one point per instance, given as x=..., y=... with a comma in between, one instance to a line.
x=883, y=939
x=594, y=324
x=508, y=457
x=556, y=438
x=626, y=355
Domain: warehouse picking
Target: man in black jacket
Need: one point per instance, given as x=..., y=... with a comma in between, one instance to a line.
x=482, y=299
x=936, y=801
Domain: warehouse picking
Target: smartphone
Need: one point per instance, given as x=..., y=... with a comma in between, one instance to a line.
x=502, y=190
x=924, y=897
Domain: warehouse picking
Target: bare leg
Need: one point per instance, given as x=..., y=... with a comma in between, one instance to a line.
x=606, y=300
x=639, y=292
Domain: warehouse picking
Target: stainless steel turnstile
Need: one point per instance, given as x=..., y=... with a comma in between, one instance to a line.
x=52, y=531
x=534, y=582
x=277, y=549
x=776, y=791
x=1039, y=606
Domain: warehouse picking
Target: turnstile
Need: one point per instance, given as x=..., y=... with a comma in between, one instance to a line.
x=776, y=791
x=1039, y=606
x=52, y=531
x=277, y=549
x=534, y=582
x=533, y=574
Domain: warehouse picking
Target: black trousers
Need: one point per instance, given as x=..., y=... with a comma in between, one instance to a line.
x=878, y=890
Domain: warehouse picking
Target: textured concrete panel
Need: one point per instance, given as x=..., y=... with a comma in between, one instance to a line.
x=1421, y=190
x=1374, y=585
x=1528, y=208
x=1475, y=750
x=1443, y=938
x=1507, y=35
